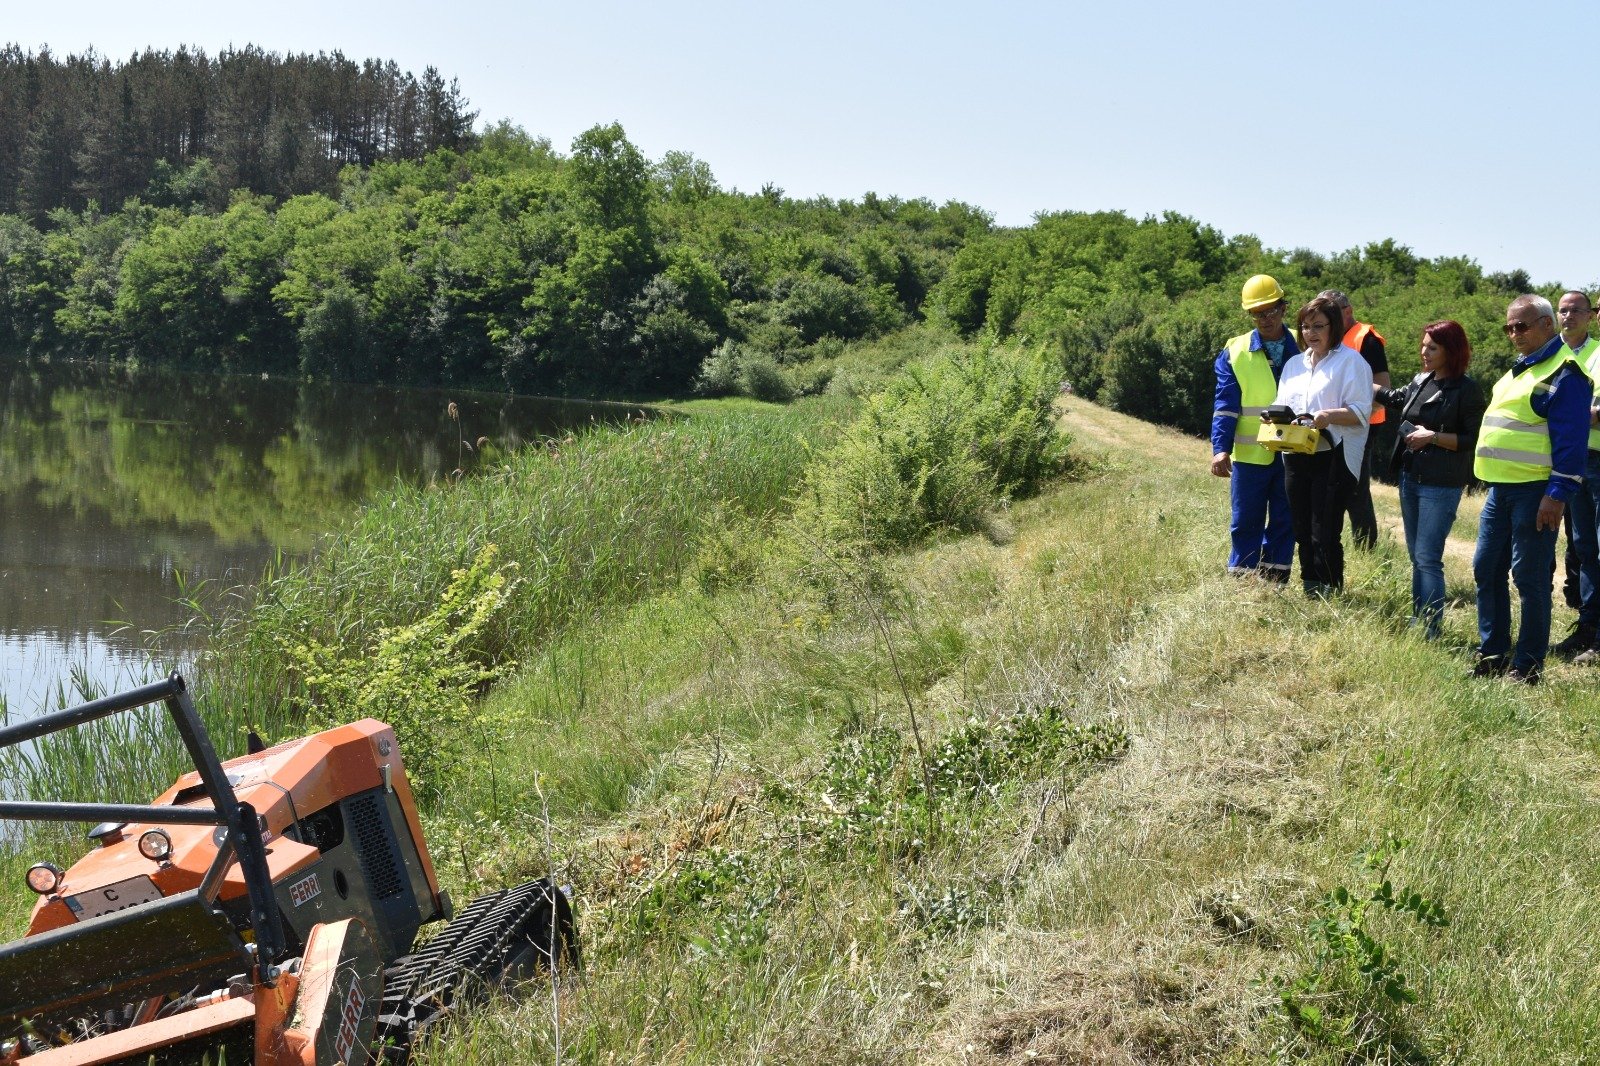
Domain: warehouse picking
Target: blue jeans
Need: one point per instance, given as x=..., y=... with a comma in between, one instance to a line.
x=1428, y=512
x=1584, y=508
x=1509, y=544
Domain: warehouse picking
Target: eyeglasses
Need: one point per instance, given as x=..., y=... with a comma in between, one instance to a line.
x=1516, y=329
x=1267, y=312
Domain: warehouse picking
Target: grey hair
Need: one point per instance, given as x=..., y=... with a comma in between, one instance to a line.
x=1540, y=305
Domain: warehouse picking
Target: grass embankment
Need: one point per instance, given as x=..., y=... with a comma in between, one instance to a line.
x=759, y=884
x=1059, y=791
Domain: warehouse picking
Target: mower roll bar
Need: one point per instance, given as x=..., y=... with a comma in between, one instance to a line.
x=244, y=827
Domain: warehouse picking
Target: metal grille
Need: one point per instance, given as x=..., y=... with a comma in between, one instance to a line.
x=375, y=849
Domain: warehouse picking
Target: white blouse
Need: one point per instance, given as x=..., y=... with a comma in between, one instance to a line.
x=1340, y=379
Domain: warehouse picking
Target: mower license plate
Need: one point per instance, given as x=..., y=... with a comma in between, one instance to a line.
x=120, y=896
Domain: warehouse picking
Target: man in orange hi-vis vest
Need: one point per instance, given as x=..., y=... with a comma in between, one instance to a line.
x=1369, y=342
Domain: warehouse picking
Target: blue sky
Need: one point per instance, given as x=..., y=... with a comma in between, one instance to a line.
x=1444, y=126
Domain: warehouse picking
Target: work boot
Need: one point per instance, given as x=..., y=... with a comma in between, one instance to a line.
x=1524, y=675
x=1581, y=639
x=1489, y=666
x=1277, y=575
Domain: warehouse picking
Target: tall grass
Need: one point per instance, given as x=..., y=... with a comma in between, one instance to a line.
x=601, y=518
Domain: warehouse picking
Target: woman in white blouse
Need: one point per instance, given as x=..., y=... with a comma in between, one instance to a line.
x=1330, y=386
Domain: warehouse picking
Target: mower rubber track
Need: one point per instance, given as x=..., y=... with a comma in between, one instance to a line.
x=468, y=958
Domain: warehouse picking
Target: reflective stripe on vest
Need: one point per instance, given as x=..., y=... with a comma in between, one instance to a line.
x=1588, y=358
x=1506, y=422
x=1514, y=444
x=1257, y=389
x=1354, y=337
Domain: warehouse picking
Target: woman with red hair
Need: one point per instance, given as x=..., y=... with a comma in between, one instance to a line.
x=1440, y=412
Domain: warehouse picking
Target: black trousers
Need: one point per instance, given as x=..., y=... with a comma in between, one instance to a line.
x=1320, y=487
x=1363, y=519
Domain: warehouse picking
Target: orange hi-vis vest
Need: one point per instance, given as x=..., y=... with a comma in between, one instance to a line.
x=1353, y=338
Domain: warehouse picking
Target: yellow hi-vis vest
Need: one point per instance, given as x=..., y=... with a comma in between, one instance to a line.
x=1588, y=358
x=1514, y=444
x=1257, y=389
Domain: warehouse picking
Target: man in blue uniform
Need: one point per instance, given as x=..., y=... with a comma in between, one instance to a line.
x=1248, y=369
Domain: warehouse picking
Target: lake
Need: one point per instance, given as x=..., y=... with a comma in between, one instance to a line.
x=124, y=492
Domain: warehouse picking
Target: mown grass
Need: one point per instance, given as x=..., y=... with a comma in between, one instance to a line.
x=815, y=811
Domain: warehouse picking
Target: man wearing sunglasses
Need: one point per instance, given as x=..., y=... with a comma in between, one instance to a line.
x=1531, y=453
x=1248, y=369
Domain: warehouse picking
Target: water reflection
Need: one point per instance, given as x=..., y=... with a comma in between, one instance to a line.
x=121, y=490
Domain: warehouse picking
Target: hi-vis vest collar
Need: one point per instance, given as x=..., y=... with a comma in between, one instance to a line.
x=1258, y=387
x=1514, y=444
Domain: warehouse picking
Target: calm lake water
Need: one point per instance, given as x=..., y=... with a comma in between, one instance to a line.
x=121, y=492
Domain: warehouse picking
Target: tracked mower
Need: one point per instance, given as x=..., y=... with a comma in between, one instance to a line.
x=261, y=910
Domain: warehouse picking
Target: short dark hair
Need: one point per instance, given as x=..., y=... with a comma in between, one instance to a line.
x=1587, y=303
x=1321, y=305
x=1449, y=335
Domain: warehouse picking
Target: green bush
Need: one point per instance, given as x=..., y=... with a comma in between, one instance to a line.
x=1161, y=369
x=761, y=378
x=719, y=374
x=939, y=447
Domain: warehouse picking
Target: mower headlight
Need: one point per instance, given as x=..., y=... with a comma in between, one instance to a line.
x=155, y=845
x=45, y=877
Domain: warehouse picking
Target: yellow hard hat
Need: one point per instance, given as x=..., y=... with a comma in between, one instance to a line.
x=1262, y=290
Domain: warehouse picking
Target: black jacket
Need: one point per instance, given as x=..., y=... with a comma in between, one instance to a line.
x=1456, y=408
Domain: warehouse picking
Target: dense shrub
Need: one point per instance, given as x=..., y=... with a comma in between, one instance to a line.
x=939, y=447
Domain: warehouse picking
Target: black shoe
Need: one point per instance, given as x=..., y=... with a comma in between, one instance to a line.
x=1277, y=575
x=1489, y=666
x=1582, y=638
x=1524, y=675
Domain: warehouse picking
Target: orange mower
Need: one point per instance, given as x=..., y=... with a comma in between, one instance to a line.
x=260, y=910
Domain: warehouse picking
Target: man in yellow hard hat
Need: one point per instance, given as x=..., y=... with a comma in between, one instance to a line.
x=1248, y=369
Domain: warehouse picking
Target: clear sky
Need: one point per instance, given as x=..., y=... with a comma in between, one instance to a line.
x=1454, y=128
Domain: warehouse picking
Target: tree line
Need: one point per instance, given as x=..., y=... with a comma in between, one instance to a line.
x=364, y=232
x=1136, y=310
x=83, y=129
x=503, y=264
